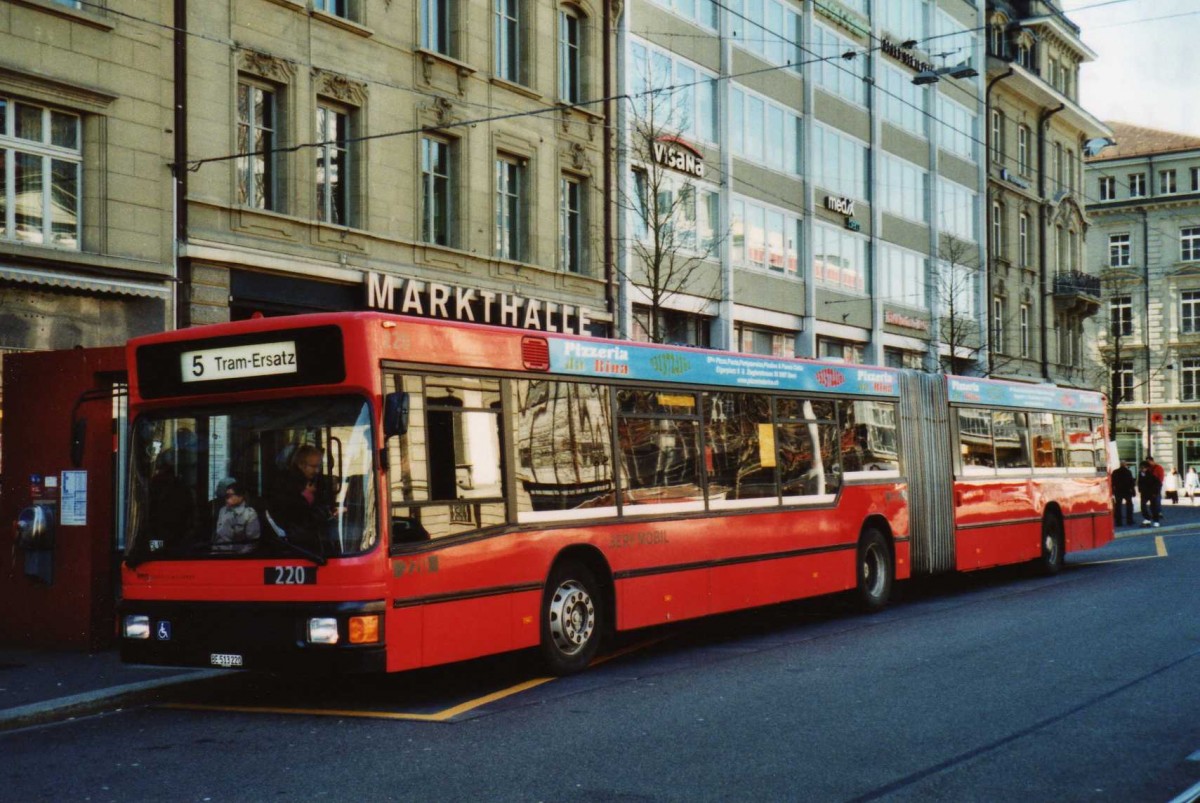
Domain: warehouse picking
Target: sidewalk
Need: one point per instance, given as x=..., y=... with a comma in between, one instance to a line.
x=40, y=686
x=1174, y=518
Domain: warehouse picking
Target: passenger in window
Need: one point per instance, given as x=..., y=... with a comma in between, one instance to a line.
x=238, y=527
x=301, y=501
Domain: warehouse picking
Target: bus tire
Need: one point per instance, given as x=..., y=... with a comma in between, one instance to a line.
x=572, y=618
x=1051, y=560
x=875, y=571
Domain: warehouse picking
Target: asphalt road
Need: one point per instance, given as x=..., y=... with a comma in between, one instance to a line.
x=994, y=686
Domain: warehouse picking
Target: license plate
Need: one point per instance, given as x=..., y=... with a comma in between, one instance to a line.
x=225, y=660
x=290, y=576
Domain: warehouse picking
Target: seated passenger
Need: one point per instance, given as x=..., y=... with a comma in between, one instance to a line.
x=237, y=523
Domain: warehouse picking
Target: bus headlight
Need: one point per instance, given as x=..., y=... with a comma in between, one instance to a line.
x=322, y=630
x=364, y=629
x=136, y=626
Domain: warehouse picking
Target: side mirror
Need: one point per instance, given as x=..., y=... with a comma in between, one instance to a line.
x=395, y=414
x=78, y=439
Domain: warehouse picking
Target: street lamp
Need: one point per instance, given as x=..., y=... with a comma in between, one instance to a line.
x=933, y=76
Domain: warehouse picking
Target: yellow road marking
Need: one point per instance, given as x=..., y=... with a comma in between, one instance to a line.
x=1160, y=551
x=440, y=716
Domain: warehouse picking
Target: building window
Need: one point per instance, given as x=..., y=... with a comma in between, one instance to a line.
x=338, y=8
x=1024, y=330
x=1195, y=179
x=1189, y=311
x=1023, y=150
x=763, y=237
x=256, y=135
x=752, y=340
x=511, y=208
x=1119, y=251
x=1023, y=235
x=1189, y=389
x=701, y=12
x=681, y=328
x=1058, y=166
x=997, y=136
x=673, y=94
x=1120, y=313
x=570, y=56
x=1122, y=380
x=1166, y=182
x=510, y=44
x=437, y=191
x=764, y=132
x=998, y=230
x=1137, y=185
x=839, y=259
x=998, y=324
x=956, y=126
x=903, y=276
x=958, y=207
x=829, y=69
x=1108, y=188
x=1189, y=244
x=40, y=163
x=334, y=170
x=572, y=224
x=437, y=22
x=834, y=350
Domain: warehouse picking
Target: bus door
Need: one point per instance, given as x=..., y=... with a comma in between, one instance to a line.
x=446, y=470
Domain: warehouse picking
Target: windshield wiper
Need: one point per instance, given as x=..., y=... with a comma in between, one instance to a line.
x=277, y=535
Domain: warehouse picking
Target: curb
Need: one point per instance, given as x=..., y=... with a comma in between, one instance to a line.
x=93, y=702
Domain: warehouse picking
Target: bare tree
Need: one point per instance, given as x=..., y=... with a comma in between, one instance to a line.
x=1119, y=352
x=675, y=238
x=960, y=324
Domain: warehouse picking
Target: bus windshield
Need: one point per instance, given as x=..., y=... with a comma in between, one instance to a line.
x=268, y=479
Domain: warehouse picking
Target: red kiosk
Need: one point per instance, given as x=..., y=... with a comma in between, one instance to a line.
x=62, y=413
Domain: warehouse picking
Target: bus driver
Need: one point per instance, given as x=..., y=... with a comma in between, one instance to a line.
x=301, y=502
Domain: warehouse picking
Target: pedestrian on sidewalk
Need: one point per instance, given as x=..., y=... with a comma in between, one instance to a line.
x=1171, y=486
x=1150, y=489
x=1123, y=487
x=1191, y=485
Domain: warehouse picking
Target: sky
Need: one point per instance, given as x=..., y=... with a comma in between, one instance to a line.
x=1147, y=70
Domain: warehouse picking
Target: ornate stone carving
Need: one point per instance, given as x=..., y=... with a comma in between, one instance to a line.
x=264, y=65
x=339, y=87
x=579, y=157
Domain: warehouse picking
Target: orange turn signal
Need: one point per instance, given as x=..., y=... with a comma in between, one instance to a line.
x=364, y=629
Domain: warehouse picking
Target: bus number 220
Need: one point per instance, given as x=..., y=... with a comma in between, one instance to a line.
x=290, y=575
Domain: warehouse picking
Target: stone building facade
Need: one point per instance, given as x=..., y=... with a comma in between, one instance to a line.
x=86, y=192
x=1040, y=288
x=1145, y=241
x=361, y=153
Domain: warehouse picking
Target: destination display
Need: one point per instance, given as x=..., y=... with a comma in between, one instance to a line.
x=264, y=359
x=703, y=368
x=283, y=358
x=1038, y=397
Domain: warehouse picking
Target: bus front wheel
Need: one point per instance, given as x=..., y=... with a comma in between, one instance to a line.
x=572, y=612
x=875, y=571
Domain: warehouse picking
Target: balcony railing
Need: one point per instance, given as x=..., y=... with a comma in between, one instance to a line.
x=1077, y=283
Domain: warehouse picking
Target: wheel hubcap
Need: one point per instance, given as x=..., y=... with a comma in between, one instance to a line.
x=873, y=571
x=572, y=617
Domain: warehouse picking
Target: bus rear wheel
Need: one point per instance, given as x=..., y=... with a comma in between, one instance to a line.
x=1051, y=560
x=572, y=619
x=875, y=571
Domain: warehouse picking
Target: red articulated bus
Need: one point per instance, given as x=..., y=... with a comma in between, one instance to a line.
x=369, y=492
